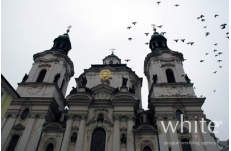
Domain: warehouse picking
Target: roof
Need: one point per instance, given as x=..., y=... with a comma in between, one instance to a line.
x=8, y=86
x=117, y=66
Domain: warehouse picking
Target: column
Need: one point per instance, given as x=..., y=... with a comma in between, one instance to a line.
x=130, y=135
x=65, y=143
x=26, y=134
x=80, y=138
x=116, y=133
x=7, y=128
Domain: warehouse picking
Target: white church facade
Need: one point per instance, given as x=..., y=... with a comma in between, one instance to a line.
x=105, y=111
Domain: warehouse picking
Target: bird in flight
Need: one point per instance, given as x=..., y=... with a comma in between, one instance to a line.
x=227, y=33
x=214, y=50
x=162, y=33
x=146, y=34
x=176, y=40
x=134, y=23
x=203, y=20
x=204, y=26
x=216, y=55
x=177, y=5
x=220, y=53
x=158, y=2
x=127, y=60
x=160, y=26
x=220, y=66
x=194, y=87
x=129, y=27
x=198, y=17
x=215, y=72
x=207, y=33
x=223, y=26
x=191, y=43
x=219, y=60
x=146, y=43
x=216, y=15
x=182, y=40
x=227, y=37
x=129, y=38
x=215, y=44
x=201, y=16
x=214, y=90
x=202, y=61
x=206, y=53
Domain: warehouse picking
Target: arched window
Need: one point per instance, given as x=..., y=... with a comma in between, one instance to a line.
x=111, y=62
x=41, y=75
x=185, y=145
x=178, y=115
x=50, y=147
x=98, y=140
x=170, y=76
x=147, y=148
x=13, y=143
x=25, y=113
x=61, y=88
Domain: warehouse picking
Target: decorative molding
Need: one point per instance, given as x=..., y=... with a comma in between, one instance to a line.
x=75, y=128
x=48, y=141
x=147, y=143
x=130, y=117
x=117, y=116
x=102, y=95
x=11, y=115
x=45, y=65
x=34, y=90
x=18, y=127
x=94, y=118
x=168, y=65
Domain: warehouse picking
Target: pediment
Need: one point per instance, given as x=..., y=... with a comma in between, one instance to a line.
x=124, y=96
x=53, y=126
x=18, y=127
x=103, y=87
x=79, y=96
x=145, y=128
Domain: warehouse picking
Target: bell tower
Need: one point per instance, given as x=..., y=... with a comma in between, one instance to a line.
x=172, y=99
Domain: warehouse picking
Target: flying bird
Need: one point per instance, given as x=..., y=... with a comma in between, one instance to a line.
x=216, y=55
x=158, y=2
x=162, y=33
x=202, y=16
x=203, y=20
x=146, y=34
x=223, y=26
x=204, y=26
x=129, y=38
x=227, y=37
x=198, y=17
x=176, y=40
x=129, y=27
x=219, y=60
x=207, y=33
x=127, y=60
x=160, y=26
x=214, y=50
x=188, y=43
x=134, y=23
x=216, y=15
x=177, y=5
x=202, y=61
x=194, y=87
x=146, y=43
x=220, y=66
x=215, y=72
x=227, y=33
x=206, y=53
x=191, y=43
x=215, y=44
x=214, y=90
x=182, y=40
x=220, y=53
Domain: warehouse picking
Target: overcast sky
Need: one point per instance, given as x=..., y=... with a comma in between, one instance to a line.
x=29, y=27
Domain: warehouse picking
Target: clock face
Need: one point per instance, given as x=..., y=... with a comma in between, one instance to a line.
x=105, y=74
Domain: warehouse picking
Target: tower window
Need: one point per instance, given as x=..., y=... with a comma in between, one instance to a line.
x=111, y=62
x=178, y=115
x=41, y=75
x=170, y=76
x=13, y=143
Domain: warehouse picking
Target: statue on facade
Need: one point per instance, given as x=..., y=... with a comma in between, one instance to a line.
x=123, y=139
x=84, y=81
x=154, y=78
x=73, y=137
x=24, y=78
x=74, y=90
x=187, y=79
x=56, y=78
x=124, y=83
x=100, y=118
x=132, y=90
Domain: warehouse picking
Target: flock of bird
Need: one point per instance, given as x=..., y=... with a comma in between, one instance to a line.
x=202, y=18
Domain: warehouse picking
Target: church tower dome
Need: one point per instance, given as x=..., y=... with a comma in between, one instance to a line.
x=62, y=44
x=111, y=59
x=157, y=41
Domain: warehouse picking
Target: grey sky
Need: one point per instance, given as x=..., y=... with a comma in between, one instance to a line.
x=29, y=27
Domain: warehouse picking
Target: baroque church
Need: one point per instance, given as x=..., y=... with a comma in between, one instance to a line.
x=104, y=109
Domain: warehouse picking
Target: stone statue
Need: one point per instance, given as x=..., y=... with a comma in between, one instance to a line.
x=187, y=79
x=56, y=78
x=74, y=137
x=132, y=90
x=84, y=81
x=116, y=90
x=24, y=78
x=154, y=78
x=123, y=139
x=124, y=83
